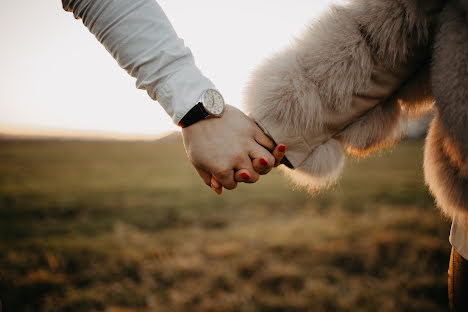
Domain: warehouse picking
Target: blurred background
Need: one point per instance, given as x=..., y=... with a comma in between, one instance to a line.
x=57, y=79
x=101, y=211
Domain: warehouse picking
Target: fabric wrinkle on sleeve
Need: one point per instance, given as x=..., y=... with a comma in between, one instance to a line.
x=142, y=40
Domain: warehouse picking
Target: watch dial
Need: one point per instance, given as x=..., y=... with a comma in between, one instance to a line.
x=214, y=102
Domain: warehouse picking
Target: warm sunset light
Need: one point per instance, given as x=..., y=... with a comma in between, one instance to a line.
x=339, y=183
x=57, y=79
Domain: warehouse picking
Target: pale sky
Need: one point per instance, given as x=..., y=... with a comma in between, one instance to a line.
x=57, y=78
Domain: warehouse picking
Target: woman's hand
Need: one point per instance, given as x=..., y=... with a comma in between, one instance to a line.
x=260, y=165
x=229, y=149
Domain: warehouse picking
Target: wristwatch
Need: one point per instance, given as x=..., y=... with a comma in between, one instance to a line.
x=210, y=104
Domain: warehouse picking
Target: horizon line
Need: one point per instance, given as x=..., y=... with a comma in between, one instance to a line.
x=77, y=134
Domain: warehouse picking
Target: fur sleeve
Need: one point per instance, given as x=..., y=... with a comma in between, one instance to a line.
x=446, y=151
x=343, y=85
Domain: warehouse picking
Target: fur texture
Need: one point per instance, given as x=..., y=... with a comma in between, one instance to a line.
x=385, y=124
x=393, y=28
x=450, y=75
x=380, y=127
x=446, y=171
x=279, y=94
x=333, y=55
x=446, y=154
x=356, y=75
x=342, y=84
x=321, y=169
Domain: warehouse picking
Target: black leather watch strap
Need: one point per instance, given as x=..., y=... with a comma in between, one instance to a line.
x=197, y=113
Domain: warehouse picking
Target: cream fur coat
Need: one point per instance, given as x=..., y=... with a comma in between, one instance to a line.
x=356, y=75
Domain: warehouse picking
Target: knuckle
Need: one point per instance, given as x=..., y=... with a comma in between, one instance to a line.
x=230, y=186
x=271, y=160
x=238, y=158
x=220, y=171
x=225, y=173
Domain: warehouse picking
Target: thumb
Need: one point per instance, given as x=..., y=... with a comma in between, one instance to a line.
x=263, y=139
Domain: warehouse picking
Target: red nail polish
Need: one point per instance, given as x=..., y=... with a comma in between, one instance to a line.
x=263, y=162
x=282, y=148
x=245, y=175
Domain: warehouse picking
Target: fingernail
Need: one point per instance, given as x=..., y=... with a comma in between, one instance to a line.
x=263, y=162
x=282, y=148
x=245, y=175
x=217, y=191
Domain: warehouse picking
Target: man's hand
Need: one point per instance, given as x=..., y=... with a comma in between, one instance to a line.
x=220, y=147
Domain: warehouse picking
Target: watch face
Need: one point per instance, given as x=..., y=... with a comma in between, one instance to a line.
x=213, y=102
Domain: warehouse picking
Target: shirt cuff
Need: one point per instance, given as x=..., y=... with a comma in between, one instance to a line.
x=181, y=92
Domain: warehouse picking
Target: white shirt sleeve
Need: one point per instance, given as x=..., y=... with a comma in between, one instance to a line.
x=140, y=37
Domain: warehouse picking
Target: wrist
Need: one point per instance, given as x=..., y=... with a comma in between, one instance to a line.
x=210, y=104
x=180, y=92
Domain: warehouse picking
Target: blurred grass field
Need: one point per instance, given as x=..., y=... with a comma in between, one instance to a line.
x=129, y=226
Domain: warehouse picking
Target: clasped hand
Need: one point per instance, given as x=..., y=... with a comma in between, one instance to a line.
x=230, y=149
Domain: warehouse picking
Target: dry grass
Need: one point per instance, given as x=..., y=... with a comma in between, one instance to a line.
x=120, y=226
